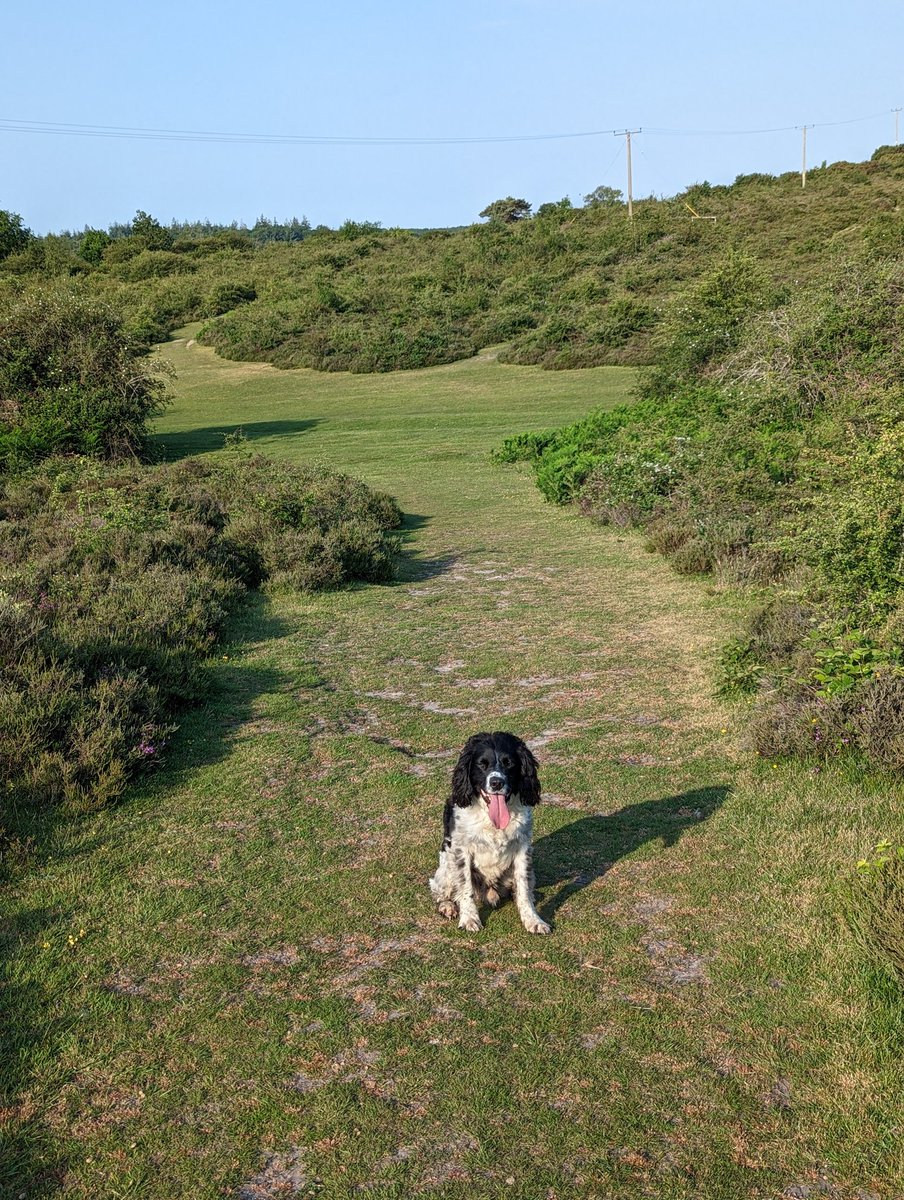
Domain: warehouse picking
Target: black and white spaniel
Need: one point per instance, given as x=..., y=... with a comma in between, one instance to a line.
x=487, y=824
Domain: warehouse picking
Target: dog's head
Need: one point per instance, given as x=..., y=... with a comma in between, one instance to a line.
x=495, y=769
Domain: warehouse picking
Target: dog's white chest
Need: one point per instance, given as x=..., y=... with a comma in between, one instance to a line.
x=492, y=850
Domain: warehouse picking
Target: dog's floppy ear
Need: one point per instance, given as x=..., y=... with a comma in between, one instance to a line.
x=529, y=792
x=462, y=788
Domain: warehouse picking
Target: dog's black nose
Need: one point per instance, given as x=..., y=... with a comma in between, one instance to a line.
x=495, y=781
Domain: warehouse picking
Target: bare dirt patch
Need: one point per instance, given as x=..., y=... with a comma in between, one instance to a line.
x=672, y=965
x=283, y=1174
x=353, y=1065
x=350, y=963
x=280, y=956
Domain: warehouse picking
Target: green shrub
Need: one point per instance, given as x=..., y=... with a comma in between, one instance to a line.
x=852, y=532
x=71, y=380
x=739, y=672
x=308, y=335
x=91, y=247
x=705, y=323
x=154, y=264
x=121, y=250
x=570, y=287
x=523, y=447
x=225, y=297
x=115, y=584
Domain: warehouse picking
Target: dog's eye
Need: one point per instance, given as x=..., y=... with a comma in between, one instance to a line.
x=483, y=762
x=506, y=761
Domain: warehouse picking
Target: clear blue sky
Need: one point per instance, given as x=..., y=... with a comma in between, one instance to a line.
x=415, y=68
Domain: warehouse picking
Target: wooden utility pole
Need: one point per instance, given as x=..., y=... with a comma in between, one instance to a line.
x=803, y=163
x=627, y=136
x=897, y=113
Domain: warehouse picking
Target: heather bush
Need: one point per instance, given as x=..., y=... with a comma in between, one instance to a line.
x=71, y=380
x=115, y=583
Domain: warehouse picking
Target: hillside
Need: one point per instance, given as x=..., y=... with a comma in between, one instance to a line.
x=567, y=287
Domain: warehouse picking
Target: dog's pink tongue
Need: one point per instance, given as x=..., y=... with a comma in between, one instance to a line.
x=499, y=813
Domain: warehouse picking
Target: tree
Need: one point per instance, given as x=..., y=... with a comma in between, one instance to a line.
x=603, y=197
x=556, y=208
x=508, y=210
x=13, y=234
x=265, y=230
x=92, y=246
x=149, y=228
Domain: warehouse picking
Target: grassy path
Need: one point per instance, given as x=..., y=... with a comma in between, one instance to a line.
x=235, y=984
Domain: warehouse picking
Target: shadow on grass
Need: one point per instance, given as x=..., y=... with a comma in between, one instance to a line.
x=577, y=854
x=181, y=444
x=413, y=566
x=37, y=1015
x=30, y=1164
x=206, y=730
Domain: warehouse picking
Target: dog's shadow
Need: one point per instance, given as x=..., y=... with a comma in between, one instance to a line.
x=583, y=851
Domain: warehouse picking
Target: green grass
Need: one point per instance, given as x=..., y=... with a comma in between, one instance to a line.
x=258, y=999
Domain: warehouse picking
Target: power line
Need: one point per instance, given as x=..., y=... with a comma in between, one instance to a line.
x=71, y=129
x=138, y=133
x=771, y=129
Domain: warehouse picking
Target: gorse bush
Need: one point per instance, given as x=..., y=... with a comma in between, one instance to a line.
x=72, y=380
x=116, y=582
x=226, y=296
x=766, y=446
x=707, y=321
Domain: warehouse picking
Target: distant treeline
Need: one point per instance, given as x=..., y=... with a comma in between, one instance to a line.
x=262, y=231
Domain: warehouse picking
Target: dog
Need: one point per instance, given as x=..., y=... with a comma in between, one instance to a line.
x=487, y=826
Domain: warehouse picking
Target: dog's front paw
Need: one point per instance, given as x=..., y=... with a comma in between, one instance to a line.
x=447, y=909
x=536, y=925
x=472, y=924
